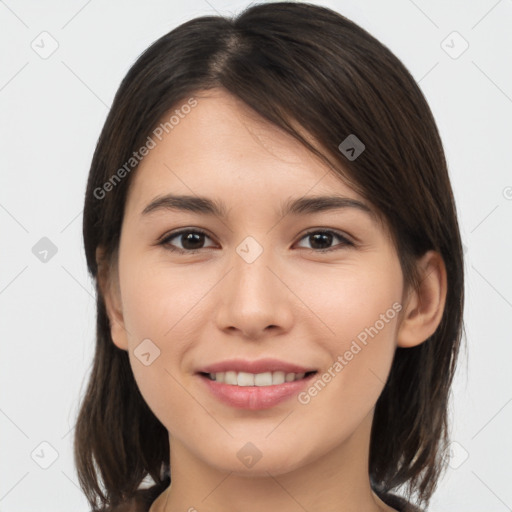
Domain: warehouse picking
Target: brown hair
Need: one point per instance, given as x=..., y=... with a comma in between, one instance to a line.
x=302, y=68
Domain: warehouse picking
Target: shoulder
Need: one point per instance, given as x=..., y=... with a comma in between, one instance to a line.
x=399, y=503
x=140, y=502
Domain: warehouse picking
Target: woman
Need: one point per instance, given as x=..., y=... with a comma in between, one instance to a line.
x=271, y=227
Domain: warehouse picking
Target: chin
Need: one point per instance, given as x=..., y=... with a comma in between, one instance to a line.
x=249, y=461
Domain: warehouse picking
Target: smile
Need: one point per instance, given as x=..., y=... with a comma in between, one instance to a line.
x=264, y=379
x=254, y=384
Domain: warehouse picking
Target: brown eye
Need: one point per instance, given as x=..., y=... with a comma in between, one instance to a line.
x=321, y=240
x=190, y=240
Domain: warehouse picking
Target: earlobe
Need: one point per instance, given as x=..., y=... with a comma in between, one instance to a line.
x=424, y=307
x=108, y=282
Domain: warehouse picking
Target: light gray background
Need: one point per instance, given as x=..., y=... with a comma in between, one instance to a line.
x=52, y=111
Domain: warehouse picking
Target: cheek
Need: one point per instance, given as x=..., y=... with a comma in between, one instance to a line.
x=158, y=302
x=353, y=300
x=359, y=310
x=155, y=357
x=166, y=306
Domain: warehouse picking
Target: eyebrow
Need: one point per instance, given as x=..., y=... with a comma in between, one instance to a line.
x=300, y=206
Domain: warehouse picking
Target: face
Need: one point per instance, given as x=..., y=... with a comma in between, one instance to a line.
x=253, y=295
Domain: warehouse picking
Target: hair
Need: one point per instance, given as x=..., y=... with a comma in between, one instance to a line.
x=305, y=69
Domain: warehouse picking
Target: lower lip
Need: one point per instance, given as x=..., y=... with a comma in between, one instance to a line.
x=255, y=397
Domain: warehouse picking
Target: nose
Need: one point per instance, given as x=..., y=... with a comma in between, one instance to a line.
x=254, y=299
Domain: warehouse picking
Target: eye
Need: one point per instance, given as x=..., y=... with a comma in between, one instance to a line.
x=191, y=241
x=319, y=239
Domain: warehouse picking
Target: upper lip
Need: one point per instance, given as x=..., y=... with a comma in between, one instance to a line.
x=258, y=366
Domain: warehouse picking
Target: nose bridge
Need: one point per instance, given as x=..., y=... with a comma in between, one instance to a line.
x=253, y=297
x=251, y=266
x=251, y=275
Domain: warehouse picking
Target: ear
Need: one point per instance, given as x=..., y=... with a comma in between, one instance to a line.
x=108, y=281
x=424, y=307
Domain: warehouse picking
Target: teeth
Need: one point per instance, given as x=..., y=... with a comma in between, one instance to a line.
x=229, y=378
x=245, y=379
x=263, y=379
x=278, y=378
x=258, y=379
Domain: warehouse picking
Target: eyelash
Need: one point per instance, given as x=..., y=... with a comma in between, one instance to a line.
x=344, y=241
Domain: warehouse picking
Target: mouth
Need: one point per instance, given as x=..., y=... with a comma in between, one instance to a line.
x=264, y=379
x=254, y=385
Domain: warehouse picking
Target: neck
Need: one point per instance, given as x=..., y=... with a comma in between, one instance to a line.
x=336, y=481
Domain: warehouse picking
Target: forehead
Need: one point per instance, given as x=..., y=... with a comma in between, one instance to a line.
x=221, y=147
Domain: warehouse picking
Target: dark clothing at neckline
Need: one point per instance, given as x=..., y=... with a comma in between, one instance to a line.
x=145, y=498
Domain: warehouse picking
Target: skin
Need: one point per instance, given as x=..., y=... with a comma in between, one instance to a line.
x=214, y=305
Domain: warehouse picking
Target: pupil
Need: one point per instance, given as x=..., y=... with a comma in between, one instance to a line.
x=317, y=237
x=189, y=239
x=194, y=240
